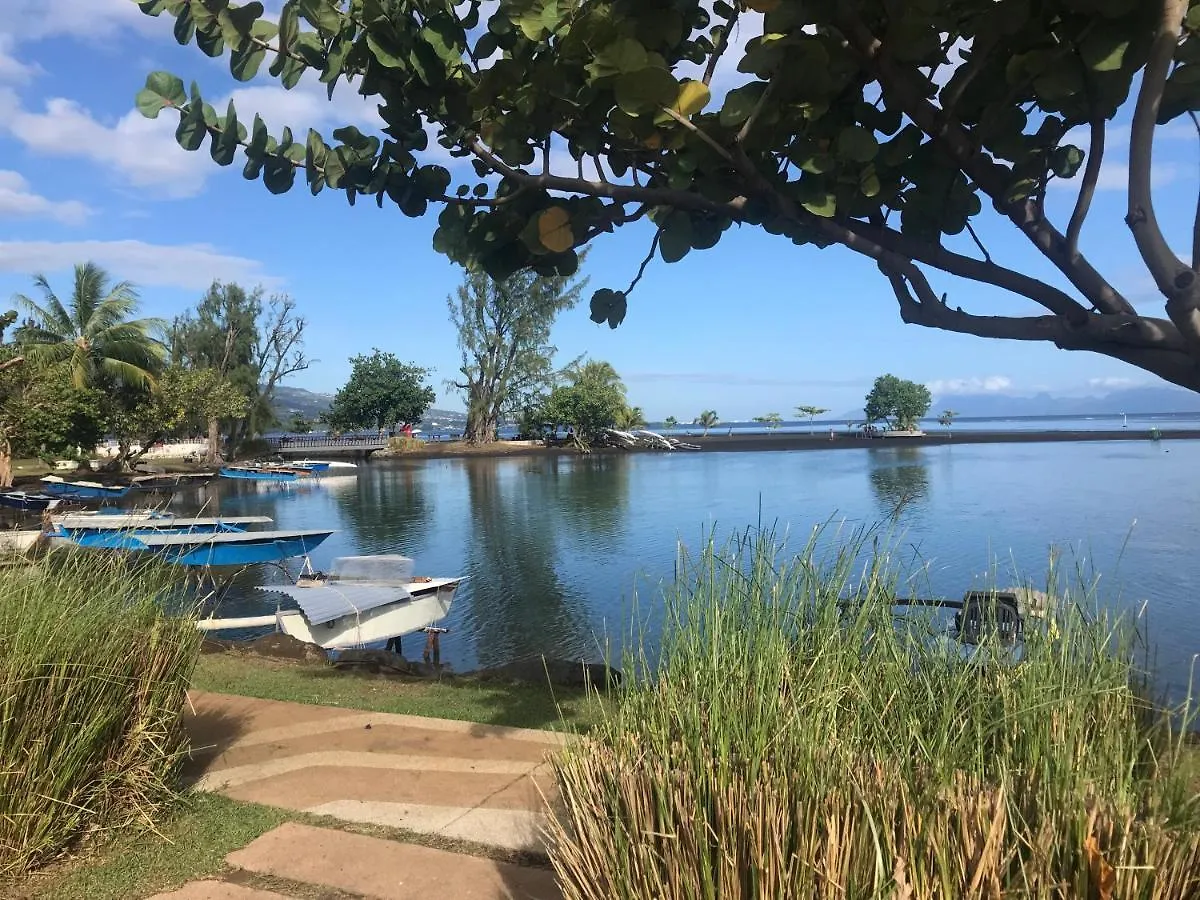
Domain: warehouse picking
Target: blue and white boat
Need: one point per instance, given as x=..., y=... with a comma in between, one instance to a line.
x=28, y=502
x=82, y=490
x=224, y=548
x=71, y=524
x=263, y=473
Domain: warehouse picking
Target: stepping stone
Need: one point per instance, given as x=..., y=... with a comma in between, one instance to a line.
x=217, y=890
x=387, y=870
x=511, y=829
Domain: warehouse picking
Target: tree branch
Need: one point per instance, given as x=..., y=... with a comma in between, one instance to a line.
x=1091, y=172
x=645, y=262
x=719, y=48
x=1162, y=263
x=991, y=177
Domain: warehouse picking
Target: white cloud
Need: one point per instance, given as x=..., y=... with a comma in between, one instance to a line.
x=11, y=68
x=189, y=266
x=1114, y=176
x=143, y=152
x=987, y=384
x=31, y=20
x=1114, y=382
x=17, y=199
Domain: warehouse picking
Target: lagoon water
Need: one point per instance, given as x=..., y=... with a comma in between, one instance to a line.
x=556, y=546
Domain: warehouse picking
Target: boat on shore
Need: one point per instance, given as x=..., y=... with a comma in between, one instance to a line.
x=151, y=520
x=326, y=464
x=363, y=600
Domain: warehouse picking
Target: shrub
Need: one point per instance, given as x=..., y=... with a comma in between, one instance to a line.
x=790, y=743
x=92, y=679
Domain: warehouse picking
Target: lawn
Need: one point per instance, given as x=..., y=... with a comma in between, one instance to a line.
x=463, y=698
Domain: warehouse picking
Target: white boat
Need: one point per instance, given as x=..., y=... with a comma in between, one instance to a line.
x=327, y=463
x=364, y=600
x=150, y=519
x=17, y=543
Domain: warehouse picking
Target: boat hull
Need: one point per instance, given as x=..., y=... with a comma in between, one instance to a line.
x=216, y=549
x=263, y=474
x=372, y=626
x=27, y=502
x=69, y=490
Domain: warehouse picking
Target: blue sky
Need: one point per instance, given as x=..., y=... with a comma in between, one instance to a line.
x=752, y=326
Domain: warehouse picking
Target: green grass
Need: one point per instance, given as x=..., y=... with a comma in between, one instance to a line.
x=792, y=742
x=465, y=699
x=93, y=673
x=190, y=843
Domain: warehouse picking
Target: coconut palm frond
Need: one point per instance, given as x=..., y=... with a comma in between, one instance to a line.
x=35, y=334
x=48, y=352
x=114, y=309
x=126, y=372
x=90, y=287
x=48, y=315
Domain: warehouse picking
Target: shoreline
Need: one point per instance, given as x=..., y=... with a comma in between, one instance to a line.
x=743, y=443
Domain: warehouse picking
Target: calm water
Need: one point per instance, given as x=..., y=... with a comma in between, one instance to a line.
x=555, y=547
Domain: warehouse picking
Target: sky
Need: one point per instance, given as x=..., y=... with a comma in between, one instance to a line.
x=752, y=326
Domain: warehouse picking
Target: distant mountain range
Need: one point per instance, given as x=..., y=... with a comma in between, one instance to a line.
x=291, y=401
x=1130, y=401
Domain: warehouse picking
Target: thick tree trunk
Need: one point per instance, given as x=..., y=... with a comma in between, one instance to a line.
x=6, y=473
x=213, y=454
x=481, y=417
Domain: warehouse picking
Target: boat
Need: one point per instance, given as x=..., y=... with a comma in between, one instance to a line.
x=163, y=481
x=223, y=548
x=326, y=464
x=152, y=520
x=363, y=600
x=14, y=543
x=262, y=473
x=82, y=490
x=28, y=502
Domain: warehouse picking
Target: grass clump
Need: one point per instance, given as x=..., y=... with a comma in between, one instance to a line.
x=787, y=743
x=93, y=675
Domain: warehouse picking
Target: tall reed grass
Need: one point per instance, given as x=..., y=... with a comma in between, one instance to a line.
x=787, y=744
x=92, y=681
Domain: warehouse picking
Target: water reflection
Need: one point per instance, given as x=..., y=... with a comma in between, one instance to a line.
x=383, y=509
x=899, y=479
x=518, y=604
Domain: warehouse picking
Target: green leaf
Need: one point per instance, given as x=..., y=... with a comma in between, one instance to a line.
x=162, y=89
x=225, y=142
x=649, y=90
x=693, y=97
x=823, y=203
x=243, y=64
x=192, y=128
x=740, y=102
x=185, y=28
x=1066, y=160
x=278, y=175
x=1103, y=50
x=608, y=306
x=623, y=55
x=258, y=138
x=321, y=14
x=857, y=144
x=675, y=239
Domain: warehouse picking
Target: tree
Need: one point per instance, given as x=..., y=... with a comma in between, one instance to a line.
x=770, y=420
x=43, y=413
x=183, y=401
x=811, y=412
x=902, y=402
x=592, y=398
x=889, y=128
x=94, y=331
x=707, y=419
x=382, y=392
x=299, y=424
x=631, y=418
x=670, y=422
x=504, y=335
x=946, y=419
x=252, y=344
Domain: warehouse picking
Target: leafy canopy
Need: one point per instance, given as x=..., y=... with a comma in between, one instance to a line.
x=901, y=402
x=886, y=127
x=592, y=398
x=381, y=392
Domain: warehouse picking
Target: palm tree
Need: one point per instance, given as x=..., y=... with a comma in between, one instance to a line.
x=631, y=418
x=811, y=412
x=670, y=422
x=95, y=333
x=771, y=420
x=707, y=419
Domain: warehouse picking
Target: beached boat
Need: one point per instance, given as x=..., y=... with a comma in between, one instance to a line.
x=227, y=548
x=82, y=490
x=171, y=481
x=364, y=600
x=14, y=543
x=28, y=502
x=326, y=464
